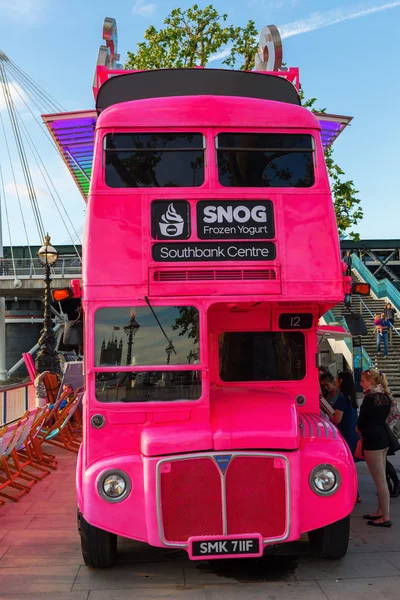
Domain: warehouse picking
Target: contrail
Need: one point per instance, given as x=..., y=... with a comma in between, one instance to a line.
x=319, y=20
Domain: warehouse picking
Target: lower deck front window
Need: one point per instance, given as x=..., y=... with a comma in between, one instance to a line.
x=148, y=386
x=261, y=356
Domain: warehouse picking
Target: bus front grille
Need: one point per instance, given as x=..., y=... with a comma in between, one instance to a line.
x=197, y=497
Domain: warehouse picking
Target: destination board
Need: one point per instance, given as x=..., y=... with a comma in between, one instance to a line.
x=215, y=251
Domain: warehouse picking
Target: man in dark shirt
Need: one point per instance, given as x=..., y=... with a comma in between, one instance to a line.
x=347, y=259
x=389, y=315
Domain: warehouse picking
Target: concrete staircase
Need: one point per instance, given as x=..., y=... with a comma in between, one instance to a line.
x=390, y=365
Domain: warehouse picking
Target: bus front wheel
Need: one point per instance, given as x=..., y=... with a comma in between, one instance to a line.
x=99, y=547
x=332, y=540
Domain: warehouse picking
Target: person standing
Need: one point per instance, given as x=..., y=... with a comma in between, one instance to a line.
x=328, y=386
x=382, y=326
x=390, y=312
x=345, y=416
x=376, y=441
x=348, y=260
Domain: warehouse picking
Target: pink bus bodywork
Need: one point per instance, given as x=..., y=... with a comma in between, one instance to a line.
x=236, y=462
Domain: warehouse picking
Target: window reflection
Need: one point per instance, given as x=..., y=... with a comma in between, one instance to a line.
x=261, y=356
x=154, y=160
x=265, y=160
x=135, y=336
x=148, y=386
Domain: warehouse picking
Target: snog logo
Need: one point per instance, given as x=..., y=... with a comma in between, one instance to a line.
x=170, y=219
x=232, y=219
x=171, y=224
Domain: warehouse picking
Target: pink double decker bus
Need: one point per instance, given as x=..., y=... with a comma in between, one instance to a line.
x=210, y=253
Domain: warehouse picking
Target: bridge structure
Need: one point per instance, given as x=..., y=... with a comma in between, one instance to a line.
x=381, y=257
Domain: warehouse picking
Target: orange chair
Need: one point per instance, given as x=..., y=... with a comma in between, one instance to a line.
x=52, y=383
x=35, y=442
x=59, y=433
x=10, y=437
x=24, y=454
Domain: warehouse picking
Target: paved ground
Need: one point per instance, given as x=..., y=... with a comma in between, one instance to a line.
x=40, y=558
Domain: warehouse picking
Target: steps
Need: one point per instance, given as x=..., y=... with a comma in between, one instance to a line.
x=390, y=365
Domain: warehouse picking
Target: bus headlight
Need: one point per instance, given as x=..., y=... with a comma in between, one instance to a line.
x=114, y=486
x=324, y=480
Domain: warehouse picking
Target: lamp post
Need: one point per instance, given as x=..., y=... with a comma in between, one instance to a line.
x=169, y=350
x=131, y=329
x=46, y=358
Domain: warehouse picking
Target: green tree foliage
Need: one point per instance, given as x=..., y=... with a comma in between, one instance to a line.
x=188, y=322
x=347, y=205
x=191, y=37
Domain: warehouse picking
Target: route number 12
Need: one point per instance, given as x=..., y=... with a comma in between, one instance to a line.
x=295, y=321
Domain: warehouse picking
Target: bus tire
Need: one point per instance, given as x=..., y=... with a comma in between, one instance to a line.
x=99, y=547
x=332, y=540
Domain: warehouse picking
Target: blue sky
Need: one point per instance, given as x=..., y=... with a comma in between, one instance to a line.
x=347, y=52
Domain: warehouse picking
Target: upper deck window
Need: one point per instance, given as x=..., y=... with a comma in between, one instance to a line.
x=261, y=356
x=147, y=160
x=265, y=160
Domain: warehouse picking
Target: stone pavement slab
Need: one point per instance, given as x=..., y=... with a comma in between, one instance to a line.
x=42, y=522
x=48, y=508
x=30, y=580
x=174, y=593
x=133, y=576
x=47, y=596
x=264, y=569
x=270, y=591
x=50, y=555
x=378, y=588
x=18, y=522
x=26, y=537
x=352, y=566
x=394, y=558
x=362, y=543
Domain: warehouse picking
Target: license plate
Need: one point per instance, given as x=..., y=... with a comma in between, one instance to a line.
x=225, y=547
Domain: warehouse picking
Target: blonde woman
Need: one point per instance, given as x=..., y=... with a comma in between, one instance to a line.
x=376, y=441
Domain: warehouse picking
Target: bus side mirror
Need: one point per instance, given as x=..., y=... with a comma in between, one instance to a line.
x=362, y=289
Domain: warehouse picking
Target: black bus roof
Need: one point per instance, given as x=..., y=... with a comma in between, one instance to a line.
x=195, y=82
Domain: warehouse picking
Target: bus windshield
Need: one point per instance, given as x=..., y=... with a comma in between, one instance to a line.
x=132, y=336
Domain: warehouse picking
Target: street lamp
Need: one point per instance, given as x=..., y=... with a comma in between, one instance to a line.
x=169, y=350
x=131, y=329
x=47, y=359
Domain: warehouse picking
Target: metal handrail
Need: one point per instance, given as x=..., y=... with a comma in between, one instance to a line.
x=27, y=267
